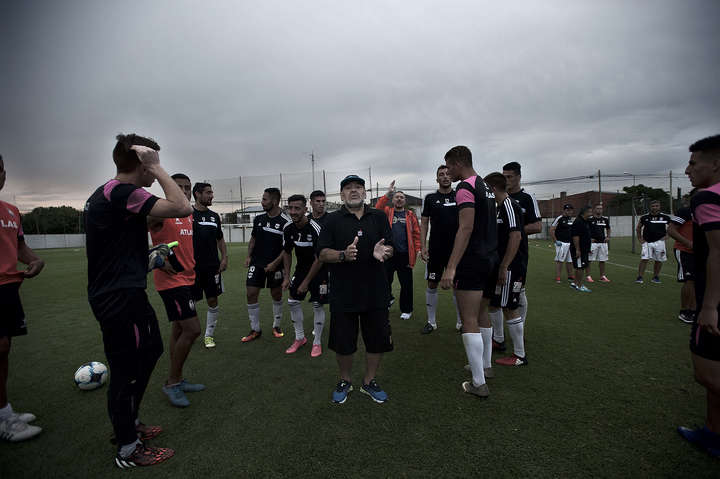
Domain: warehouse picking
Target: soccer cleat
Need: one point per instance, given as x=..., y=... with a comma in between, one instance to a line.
x=277, y=332
x=176, y=395
x=584, y=289
x=639, y=280
x=428, y=328
x=604, y=279
x=656, y=280
x=144, y=432
x=190, y=387
x=252, y=335
x=489, y=372
x=571, y=279
x=341, y=392
x=480, y=391
x=512, y=360
x=144, y=456
x=498, y=346
x=686, y=316
x=703, y=438
x=573, y=285
x=374, y=391
x=26, y=416
x=209, y=342
x=589, y=279
x=14, y=429
x=297, y=344
x=558, y=280
x=405, y=316
x=316, y=351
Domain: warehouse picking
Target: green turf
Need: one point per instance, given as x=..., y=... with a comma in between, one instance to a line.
x=609, y=379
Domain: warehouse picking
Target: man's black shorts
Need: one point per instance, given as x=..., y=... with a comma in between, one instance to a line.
x=128, y=323
x=704, y=344
x=258, y=278
x=474, y=275
x=375, y=327
x=436, y=264
x=686, y=266
x=179, y=304
x=583, y=261
x=507, y=295
x=207, y=282
x=318, y=289
x=12, y=316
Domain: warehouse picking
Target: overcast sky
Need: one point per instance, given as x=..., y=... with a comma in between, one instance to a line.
x=238, y=88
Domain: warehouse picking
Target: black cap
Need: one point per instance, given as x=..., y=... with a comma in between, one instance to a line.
x=350, y=179
x=568, y=206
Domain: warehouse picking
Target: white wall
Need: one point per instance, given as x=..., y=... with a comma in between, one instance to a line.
x=620, y=226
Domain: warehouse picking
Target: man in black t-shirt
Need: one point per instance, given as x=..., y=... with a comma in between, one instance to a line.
x=651, y=231
x=440, y=216
x=264, y=263
x=580, y=247
x=600, y=237
x=560, y=235
x=320, y=281
x=207, y=241
x=117, y=253
x=302, y=236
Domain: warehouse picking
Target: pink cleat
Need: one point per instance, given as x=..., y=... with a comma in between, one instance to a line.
x=316, y=351
x=297, y=344
x=589, y=279
x=604, y=279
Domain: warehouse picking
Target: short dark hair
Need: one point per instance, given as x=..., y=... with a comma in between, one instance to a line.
x=512, y=166
x=583, y=210
x=496, y=180
x=274, y=193
x=200, y=187
x=441, y=167
x=459, y=154
x=126, y=160
x=597, y=204
x=180, y=176
x=315, y=194
x=655, y=202
x=706, y=144
x=297, y=198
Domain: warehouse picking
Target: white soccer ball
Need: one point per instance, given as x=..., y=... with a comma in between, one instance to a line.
x=91, y=375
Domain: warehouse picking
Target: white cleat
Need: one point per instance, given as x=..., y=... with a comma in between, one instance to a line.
x=14, y=429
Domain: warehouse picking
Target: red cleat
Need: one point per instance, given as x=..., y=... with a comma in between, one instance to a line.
x=252, y=335
x=512, y=361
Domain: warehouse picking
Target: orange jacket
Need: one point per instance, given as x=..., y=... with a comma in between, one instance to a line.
x=411, y=224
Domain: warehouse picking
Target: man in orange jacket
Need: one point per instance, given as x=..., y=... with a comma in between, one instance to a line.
x=406, y=239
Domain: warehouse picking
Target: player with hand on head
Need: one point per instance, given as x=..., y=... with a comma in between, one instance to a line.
x=440, y=216
x=302, y=236
x=264, y=263
x=651, y=230
x=600, y=237
x=13, y=249
x=208, y=240
x=117, y=253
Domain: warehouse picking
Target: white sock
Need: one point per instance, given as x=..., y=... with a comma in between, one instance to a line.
x=318, y=322
x=487, y=346
x=296, y=316
x=6, y=411
x=431, y=299
x=498, y=332
x=254, y=315
x=515, y=329
x=128, y=449
x=473, y=343
x=277, y=313
x=457, y=311
x=211, y=321
x=522, y=309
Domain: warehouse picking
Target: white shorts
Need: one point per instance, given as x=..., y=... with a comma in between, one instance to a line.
x=654, y=251
x=598, y=252
x=562, y=253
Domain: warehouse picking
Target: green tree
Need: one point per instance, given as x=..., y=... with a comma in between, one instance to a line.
x=642, y=195
x=53, y=220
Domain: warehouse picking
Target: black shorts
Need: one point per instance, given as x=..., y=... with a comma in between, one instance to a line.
x=704, y=344
x=581, y=262
x=129, y=325
x=207, y=282
x=258, y=278
x=179, y=304
x=507, y=295
x=375, y=327
x=474, y=275
x=686, y=266
x=318, y=287
x=12, y=316
x=436, y=264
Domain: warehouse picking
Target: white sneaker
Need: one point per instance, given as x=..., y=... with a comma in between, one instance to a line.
x=26, y=416
x=405, y=316
x=13, y=429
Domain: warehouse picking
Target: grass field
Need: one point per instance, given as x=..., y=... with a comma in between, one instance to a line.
x=609, y=379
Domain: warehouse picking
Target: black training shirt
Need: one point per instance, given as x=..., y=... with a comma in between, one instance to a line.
x=482, y=246
x=207, y=231
x=562, y=226
x=509, y=218
x=581, y=228
x=268, y=234
x=443, y=213
x=304, y=240
x=654, y=226
x=598, y=226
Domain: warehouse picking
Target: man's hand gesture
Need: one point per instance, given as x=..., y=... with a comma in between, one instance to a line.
x=351, y=251
x=382, y=252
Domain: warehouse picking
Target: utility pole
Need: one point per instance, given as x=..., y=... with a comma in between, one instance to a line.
x=370, y=179
x=242, y=204
x=324, y=183
x=600, y=186
x=280, y=188
x=312, y=162
x=671, y=202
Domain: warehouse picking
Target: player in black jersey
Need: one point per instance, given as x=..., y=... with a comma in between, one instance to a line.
x=580, y=247
x=473, y=257
x=302, y=236
x=264, y=262
x=651, y=231
x=207, y=241
x=560, y=234
x=321, y=280
x=317, y=207
x=117, y=253
x=600, y=236
x=440, y=216
x=510, y=273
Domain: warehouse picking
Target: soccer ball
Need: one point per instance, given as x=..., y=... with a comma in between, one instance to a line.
x=91, y=375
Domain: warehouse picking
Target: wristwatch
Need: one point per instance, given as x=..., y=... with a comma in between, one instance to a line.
x=341, y=256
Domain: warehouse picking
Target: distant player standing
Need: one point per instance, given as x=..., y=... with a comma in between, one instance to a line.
x=117, y=253
x=264, y=262
x=473, y=258
x=13, y=426
x=651, y=231
x=600, y=237
x=302, y=236
x=207, y=241
x=440, y=215
x=580, y=247
x=560, y=234
x=681, y=230
x=175, y=289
